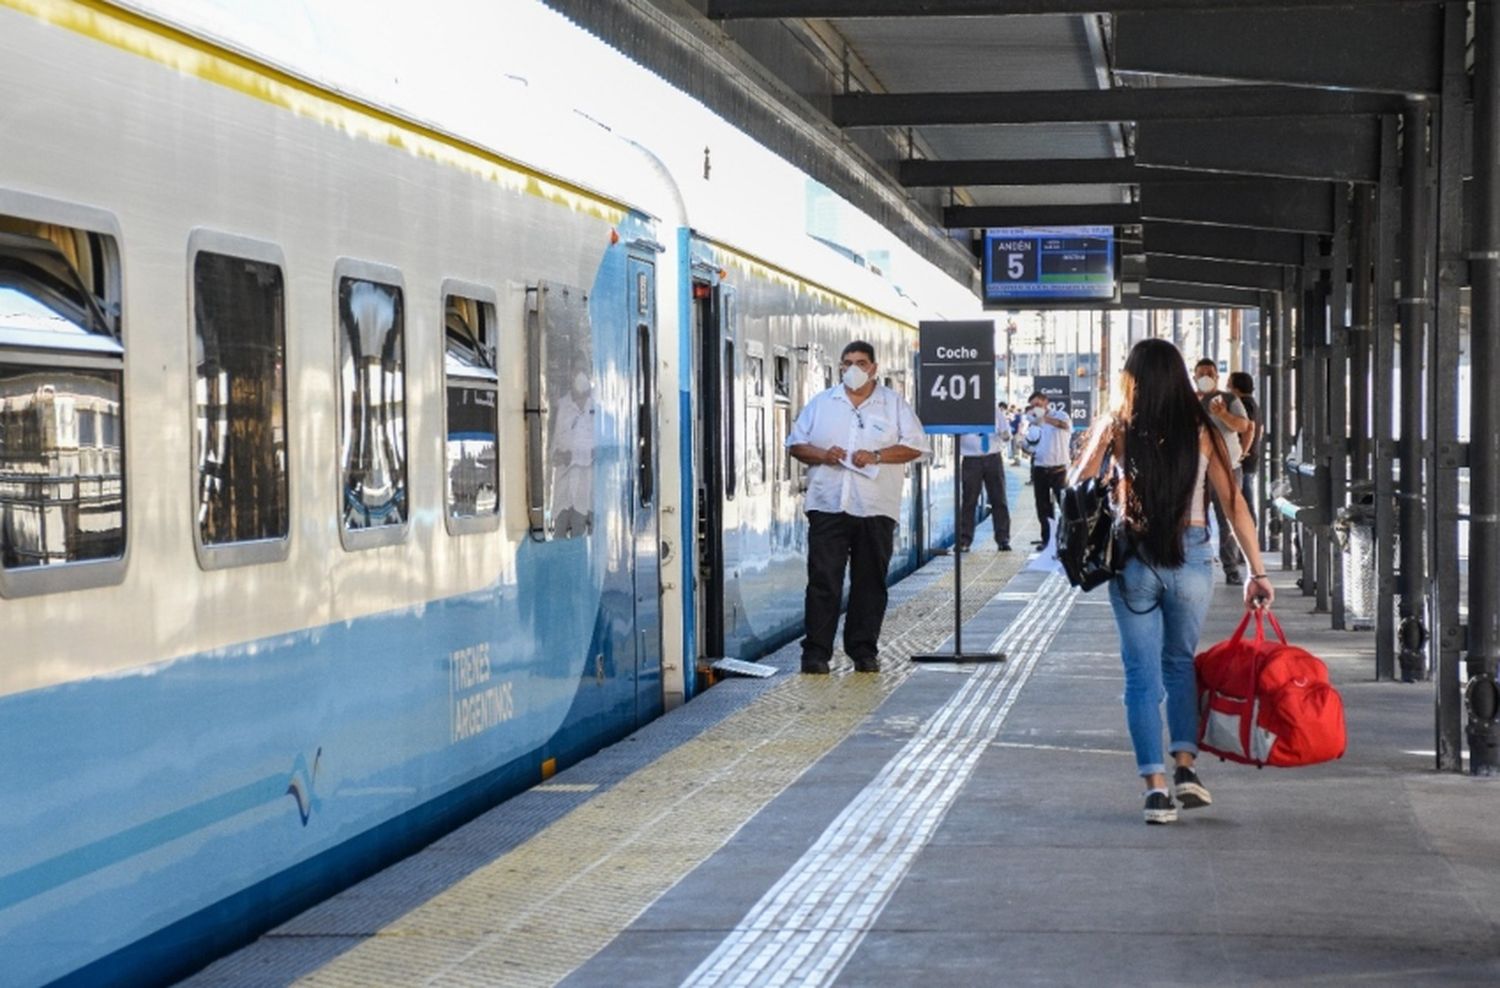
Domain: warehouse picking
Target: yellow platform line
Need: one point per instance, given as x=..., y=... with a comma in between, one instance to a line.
x=538, y=912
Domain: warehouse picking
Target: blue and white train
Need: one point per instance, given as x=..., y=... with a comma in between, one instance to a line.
x=357, y=472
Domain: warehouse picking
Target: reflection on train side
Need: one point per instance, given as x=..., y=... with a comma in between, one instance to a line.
x=61, y=490
x=61, y=460
x=373, y=442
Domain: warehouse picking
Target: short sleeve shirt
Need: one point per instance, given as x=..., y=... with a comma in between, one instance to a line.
x=1236, y=407
x=974, y=443
x=830, y=419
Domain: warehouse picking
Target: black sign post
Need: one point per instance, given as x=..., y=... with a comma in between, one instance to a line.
x=956, y=395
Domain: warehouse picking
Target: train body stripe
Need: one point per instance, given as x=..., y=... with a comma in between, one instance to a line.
x=191, y=55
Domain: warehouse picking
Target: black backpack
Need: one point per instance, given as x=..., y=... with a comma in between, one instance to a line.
x=1092, y=548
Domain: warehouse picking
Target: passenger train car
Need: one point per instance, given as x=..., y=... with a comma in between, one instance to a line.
x=357, y=473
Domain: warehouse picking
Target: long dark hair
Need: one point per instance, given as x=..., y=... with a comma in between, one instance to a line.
x=1162, y=419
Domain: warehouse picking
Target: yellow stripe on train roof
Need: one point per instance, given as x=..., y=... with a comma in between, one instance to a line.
x=191, y=55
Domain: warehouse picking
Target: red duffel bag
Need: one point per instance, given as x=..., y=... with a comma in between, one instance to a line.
x=1267, y=702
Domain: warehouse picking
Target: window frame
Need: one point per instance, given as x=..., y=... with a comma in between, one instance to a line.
x=458, y=525
x=356, y=539
x=92, y=573
x=212, y=556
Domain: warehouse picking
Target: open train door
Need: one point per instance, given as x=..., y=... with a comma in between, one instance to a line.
x=645, y=537
x=713, y=362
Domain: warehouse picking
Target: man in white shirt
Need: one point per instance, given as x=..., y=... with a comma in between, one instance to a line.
x=983, y=463
x=573, y=460
x=854, y=437
x=1049, y=462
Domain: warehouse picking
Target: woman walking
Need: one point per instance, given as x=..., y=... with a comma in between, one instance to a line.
x=1167, y=452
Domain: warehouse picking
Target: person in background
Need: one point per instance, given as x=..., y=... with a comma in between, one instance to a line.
x=1228, y=416
x=1049, y=461
x=1168, y=452
x=1243, y=387
x=1017, y=435
x=983, y=463
x=854, y=438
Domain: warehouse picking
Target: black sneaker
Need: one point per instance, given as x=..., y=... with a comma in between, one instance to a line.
x=1004, y=546
x=1189, y=789
x=1160, y=808
x=866, y=665
x=815, y=667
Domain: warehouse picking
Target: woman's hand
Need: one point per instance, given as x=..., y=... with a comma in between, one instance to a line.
x=1259, y=592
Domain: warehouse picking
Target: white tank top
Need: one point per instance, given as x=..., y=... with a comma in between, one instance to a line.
x=1195, y=510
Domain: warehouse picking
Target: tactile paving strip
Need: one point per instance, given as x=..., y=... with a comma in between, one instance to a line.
x=535, y=912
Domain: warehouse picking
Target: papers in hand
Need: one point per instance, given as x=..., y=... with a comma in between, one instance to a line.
x=872, y=470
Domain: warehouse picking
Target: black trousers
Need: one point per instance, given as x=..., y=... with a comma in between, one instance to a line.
x=1229, y=549
x=986, y=470
x=1045, y=483
x=836, y=540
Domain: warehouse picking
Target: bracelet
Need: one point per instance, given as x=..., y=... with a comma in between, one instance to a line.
x=877, y=456
x=1257, y=576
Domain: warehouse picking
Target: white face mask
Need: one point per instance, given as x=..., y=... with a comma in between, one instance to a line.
x=855, y=377
x=1205, y=384
x=580, y=384
x=1036, y=414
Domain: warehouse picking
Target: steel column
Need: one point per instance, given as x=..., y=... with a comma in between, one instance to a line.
x=1336, y=426
x=1360, y=320
x=1314, y=390
x=1482, y=698
x=1285, y=422
x=1414, y=308
x=1383, y=398
x=1445, y=454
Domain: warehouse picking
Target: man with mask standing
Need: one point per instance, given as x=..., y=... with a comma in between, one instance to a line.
x=854, y=437
x=1228, y=414
x=1049, y=461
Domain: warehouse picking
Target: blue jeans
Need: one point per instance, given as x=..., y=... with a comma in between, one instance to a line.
x=1159, y=612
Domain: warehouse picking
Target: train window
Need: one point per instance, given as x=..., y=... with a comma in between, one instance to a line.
x=757, y=370
x=62, y=453
x=562, y=413
x=372, y=404
x=645, y=420
x=783, y=380
x=731, y=445
x=472, y=464
x=827, y=376
x=755, y=457
x=239, y=401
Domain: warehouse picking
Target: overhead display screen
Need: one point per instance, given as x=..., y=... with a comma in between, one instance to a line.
x=1049, y=264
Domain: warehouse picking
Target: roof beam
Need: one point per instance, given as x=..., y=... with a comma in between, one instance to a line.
x=920, y=173
x=1207, y=295
x=1262, y=204
x=1100, y=105
x=1336, y=148
x=1224, y=274
x=740, y=9
x=1221, y=243
x=1395, y=48
x=979, y=217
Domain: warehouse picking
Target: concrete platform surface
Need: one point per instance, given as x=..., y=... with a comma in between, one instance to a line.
x=945, y=825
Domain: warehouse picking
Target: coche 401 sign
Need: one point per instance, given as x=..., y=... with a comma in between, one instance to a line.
x=956, y=376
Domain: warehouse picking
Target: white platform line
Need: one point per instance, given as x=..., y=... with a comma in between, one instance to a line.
x=805, y=929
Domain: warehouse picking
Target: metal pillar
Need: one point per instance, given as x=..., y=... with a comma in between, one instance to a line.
x=1482, y=698
x=1445, y=454
x=1335, y=417
x=1414, y=309
x=1360, y=343
x=1285, y=423
x=1268, y=389
x=1312, y=379
x=1383, y=398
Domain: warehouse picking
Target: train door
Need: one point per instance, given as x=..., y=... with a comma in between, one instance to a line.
x=920, y=476
x=713, y=363
x=644, y=534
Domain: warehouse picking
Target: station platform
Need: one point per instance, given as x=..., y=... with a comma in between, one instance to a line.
x=943, y=825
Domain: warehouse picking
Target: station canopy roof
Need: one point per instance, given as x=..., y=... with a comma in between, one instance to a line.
x=1214, y=134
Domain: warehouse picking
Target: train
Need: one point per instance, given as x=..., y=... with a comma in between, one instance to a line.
x=359, y=470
